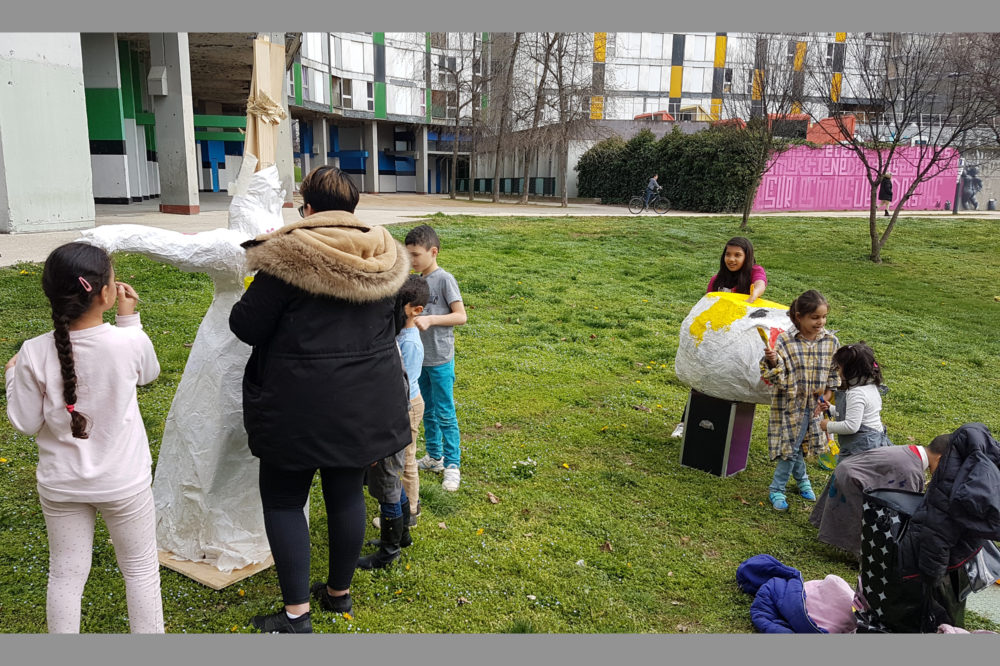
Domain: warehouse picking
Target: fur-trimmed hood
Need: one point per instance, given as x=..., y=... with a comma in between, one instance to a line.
x=333, y=253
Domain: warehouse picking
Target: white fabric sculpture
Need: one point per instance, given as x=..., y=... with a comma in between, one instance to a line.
x=721, y=346
x=205, y=488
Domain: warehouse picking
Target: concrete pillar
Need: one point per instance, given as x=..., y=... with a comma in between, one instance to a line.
x=284, y=158
x=177, y=155
x=422, y=162
x=321, y=139
x=371, y=164
x=131, y=131
x=45, y=173
x=105, y=119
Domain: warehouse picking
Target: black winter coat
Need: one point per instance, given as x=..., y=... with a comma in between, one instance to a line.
x=960, y=509
x=885, y=189
x=324, y=385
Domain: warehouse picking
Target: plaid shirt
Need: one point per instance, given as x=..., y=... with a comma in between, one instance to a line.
x=804, y=370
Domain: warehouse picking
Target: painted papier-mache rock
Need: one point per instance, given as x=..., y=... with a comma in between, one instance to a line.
x=205, y=487
x=721, y=345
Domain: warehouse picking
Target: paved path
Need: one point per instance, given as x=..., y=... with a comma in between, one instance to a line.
x=373, y=208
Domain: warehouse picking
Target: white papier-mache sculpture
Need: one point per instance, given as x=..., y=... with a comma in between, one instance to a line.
x=721, y=346
x=205, y=488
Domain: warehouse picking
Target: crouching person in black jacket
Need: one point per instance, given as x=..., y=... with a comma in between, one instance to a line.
x=959, y=512
x=323, y=388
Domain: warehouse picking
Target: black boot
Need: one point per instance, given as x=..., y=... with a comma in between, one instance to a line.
x=388, y=548
x=405, y=539
x=408, y=521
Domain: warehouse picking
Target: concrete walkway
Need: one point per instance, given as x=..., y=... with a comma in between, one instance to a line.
x=373, y=208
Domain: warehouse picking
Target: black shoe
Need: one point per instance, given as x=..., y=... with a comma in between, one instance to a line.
x=279, y=623
x=887, y=213
x=340, y=604
x=389, y=545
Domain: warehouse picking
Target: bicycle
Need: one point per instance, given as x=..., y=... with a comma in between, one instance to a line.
x=659, y=204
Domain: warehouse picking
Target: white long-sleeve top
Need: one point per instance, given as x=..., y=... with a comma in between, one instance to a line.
x=110, y=361
x=863, y=406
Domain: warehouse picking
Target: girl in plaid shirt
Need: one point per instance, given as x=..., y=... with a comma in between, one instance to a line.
x=799, y=369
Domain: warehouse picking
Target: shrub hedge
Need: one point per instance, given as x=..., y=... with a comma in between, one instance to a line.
x=707, y=171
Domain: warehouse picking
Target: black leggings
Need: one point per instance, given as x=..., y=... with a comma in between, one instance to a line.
x=283, y=495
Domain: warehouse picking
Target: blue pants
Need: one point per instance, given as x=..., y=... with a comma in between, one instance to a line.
x=441, y=436
x=649, y=195
x=394, y=509
x=795, y=467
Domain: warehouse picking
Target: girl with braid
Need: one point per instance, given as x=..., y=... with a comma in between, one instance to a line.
x=74, y=388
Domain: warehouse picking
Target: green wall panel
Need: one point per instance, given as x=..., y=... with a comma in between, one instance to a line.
x=125, y=67
x=104, y=114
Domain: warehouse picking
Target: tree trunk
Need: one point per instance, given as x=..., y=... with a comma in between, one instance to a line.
x=454, y=158
x=876, y=253
x=503, y=115
x=536, y=116
x=472, y=160
x=526, y=172
x=751, y=196
x=564, y=168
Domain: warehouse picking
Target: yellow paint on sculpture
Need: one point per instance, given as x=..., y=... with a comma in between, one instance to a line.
x=728, y=308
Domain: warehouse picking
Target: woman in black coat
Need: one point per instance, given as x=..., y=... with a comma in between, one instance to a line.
x=323, y=388
x=885, y=192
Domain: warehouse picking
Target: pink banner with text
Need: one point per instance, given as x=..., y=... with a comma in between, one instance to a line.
x=833, y=178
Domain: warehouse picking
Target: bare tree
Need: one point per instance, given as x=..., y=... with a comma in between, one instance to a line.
x=770, y=66
x=904, y=89
x=570, y=69
x=541, y=52
x=504, y=77
x=459, y=71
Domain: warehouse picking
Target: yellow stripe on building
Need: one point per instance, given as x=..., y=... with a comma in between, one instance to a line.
x=758, y=81
x=597, y=107
x=800, y=56
x=716, y=109
x=720, y=51
x=676, y=72
x=841, y=36
x=835, y=86
x=600, y=46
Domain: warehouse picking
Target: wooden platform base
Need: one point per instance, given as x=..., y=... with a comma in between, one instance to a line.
x=208, y=575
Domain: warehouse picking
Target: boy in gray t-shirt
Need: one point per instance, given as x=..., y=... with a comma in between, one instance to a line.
x=443, y=312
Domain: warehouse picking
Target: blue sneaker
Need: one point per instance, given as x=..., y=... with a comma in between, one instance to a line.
x=778, y=501
x=806, y=490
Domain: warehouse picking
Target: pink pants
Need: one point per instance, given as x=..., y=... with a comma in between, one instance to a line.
x=132, y=526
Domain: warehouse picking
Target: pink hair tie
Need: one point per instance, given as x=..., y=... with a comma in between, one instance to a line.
x=69, y=408
x=86, y=286
x=874, y=364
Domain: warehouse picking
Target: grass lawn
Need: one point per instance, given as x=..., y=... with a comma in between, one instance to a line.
x=567, y=360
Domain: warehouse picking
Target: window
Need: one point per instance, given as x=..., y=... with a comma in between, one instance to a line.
x=452, y=103
x=830, y=48
x=371, y=96
x=609, y=47
x=439, y=40
x=792, y=47
x=336, y=85
x=346, y=98
x=306, y=76
x=727, y=80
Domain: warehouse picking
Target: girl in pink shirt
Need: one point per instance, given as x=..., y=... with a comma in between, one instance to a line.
x=74, y=388
x=737, y=271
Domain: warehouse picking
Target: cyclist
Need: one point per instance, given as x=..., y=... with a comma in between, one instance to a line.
x=652, y=188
